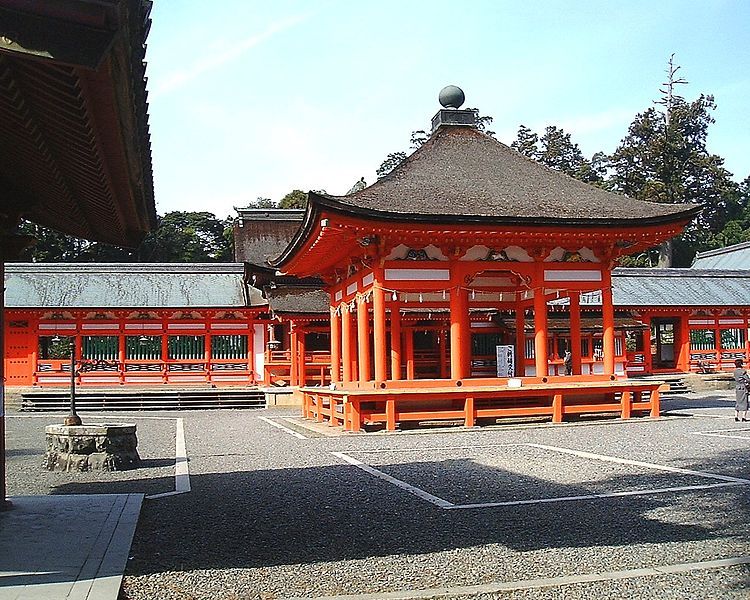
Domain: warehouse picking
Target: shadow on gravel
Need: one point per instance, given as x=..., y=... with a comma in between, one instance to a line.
x=669, y=403
x=298, y=516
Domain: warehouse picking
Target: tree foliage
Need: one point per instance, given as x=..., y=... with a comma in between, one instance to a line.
x=179, y=237
x=262, y=202
x=294, y=199
x=664, y=158
x=556, y=149
x=419, y=137
x=391, y=161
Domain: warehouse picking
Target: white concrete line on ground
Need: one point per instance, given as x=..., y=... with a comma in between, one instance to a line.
x=445, y=504
x=545, y=582
x=87, y=416
x=725, y=433
x=286, y=429
x=397, y=482
x=636, y=463
x=684, y=488
x=181, y=470
x=421, y=449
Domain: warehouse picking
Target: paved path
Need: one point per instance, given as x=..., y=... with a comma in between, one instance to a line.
x=66, y=546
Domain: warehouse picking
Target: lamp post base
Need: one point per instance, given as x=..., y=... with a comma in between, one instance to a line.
x=72, y=420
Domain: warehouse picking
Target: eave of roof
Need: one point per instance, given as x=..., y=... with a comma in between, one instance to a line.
x=461, y=175
x=658, y=288
x=122, y=286
x=74, y=142
x=736, y=256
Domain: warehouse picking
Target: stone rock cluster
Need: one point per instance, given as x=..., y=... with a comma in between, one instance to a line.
x=106, y=447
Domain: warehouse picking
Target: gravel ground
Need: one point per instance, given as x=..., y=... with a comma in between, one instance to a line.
x=273, y=516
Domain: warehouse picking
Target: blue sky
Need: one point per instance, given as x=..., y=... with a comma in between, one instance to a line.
x=255, y=98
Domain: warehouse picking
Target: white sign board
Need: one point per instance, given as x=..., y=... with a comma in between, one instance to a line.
x=506, y=361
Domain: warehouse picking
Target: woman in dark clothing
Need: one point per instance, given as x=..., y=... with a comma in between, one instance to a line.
x=743, y=382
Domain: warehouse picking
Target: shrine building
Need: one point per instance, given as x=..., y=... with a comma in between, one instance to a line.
x=463, y=226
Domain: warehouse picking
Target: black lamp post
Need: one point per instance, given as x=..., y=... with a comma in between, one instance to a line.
x=72, y=418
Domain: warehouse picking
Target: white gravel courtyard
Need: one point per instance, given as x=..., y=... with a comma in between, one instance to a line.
x=277, y=508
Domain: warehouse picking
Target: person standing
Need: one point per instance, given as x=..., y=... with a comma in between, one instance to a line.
x=742, y=381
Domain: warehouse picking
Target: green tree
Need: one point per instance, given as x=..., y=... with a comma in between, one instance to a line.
x=261, y=202
x=664, y=158
x=736, y=230
x=294, y=199
x=558, y=151
x=527, y=142
x=419, y=137
x=188, y=237
x=391, y=161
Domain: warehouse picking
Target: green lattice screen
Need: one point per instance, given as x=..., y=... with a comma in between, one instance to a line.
x=702, y=339
x=187, y=347
x=99, y=347
x=229, y=346
x=146, y=347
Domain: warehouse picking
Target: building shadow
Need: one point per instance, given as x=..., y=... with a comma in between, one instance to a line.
x=273, y=517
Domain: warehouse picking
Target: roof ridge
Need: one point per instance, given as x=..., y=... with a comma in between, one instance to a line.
x=722, y=250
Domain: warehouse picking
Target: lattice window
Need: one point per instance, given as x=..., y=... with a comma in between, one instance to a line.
x=702, y=339
x=732, y=339
x=54, y=347
x=228, y=346
x=100, y=347
x=187, y=347
x=143, y=347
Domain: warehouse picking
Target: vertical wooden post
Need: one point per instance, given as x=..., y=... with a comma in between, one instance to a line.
x=207, y=353
x=302, y=376
x=332, y=416
x=363, y=339
x=655, y=403
x=608, y=324
x=353, y=343
x=648, y=365
x=379, y=331
x=557, y=408
x=540, y=329
x=627, y=404
x=335, y=346
x=469, y=417
x=460, y=333
x=575, y=331
x=121, y=353
x=409, y=351
x=395, y=341
x=164, y=350
x=390, y=413
x=356, y=414
x=443, y=353
x=346, y=343
x=520, y=370
x=293, y=357
x=683, y=358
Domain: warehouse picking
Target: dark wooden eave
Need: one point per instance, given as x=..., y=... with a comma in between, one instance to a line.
x=74, y=141
x=462, y=177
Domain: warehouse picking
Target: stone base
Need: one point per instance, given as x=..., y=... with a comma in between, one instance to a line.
x=109, y=447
